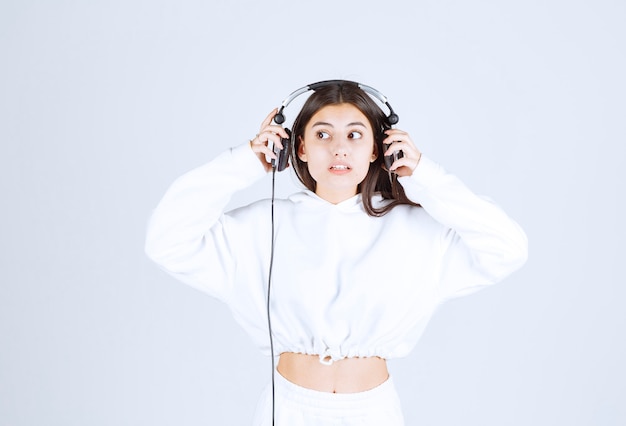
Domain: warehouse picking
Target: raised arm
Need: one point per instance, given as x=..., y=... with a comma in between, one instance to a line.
x=480, y=244
x=187, y=234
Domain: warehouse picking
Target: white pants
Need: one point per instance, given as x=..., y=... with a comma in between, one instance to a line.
x=298, y=406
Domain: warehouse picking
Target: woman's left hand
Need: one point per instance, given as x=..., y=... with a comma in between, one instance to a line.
x=397, y=140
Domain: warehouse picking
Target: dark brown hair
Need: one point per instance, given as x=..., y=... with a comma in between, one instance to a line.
x=377, y=179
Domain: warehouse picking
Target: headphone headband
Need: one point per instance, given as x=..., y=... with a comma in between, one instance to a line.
x=279, y=118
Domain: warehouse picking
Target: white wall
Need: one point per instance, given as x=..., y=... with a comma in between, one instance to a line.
x=104, y=103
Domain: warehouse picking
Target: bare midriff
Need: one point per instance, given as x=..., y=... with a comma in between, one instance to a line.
x=349, y=375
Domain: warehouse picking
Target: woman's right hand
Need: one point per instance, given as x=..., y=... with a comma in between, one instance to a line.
x=268, y=132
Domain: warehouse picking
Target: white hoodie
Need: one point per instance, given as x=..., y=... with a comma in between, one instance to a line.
x=344, y=284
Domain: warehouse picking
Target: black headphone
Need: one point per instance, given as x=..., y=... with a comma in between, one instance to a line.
x=283, y=155
x=392, y=118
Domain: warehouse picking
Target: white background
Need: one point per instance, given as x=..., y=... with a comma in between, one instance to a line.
x=104, y=103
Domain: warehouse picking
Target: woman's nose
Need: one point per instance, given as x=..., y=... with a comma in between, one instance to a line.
x=340, y=149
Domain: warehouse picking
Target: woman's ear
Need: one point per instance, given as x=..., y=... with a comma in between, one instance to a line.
x=374, y=153
x=301, y=150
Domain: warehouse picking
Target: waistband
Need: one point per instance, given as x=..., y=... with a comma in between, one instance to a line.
x=304, y=397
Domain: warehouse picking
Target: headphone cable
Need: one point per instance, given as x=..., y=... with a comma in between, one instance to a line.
x=269, y=284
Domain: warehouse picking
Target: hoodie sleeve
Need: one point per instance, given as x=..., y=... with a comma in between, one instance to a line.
x=480, y=245
x=188, y=234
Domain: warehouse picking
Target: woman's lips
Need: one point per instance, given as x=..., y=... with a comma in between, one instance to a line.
x=340, y=168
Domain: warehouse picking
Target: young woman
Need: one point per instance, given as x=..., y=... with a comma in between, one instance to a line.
x=363, y=256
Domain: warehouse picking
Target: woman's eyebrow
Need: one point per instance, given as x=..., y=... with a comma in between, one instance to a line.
x=323, y=123
x=356, y=123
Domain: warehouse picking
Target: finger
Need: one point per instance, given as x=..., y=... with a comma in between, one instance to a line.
x=391, y=147
x=397, y=137
x=267, y=137
x=393, y=141
x=403, y=146
x=265, y=150
x=403, y=162
x=278, y=130
x=269, y=118
x=400, y=142
x=406, y=165
x=395, y=132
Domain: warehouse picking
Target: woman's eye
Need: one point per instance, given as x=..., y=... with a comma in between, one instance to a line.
x=322, y=135
x=355, y=135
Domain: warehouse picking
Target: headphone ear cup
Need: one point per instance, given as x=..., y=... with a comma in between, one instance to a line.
x=393, y=119
x=279, y=118
x=283, y=154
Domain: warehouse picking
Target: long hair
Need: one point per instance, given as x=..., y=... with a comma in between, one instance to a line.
x=377, y=179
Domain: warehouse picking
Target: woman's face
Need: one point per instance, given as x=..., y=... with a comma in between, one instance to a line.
x=338, y=147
